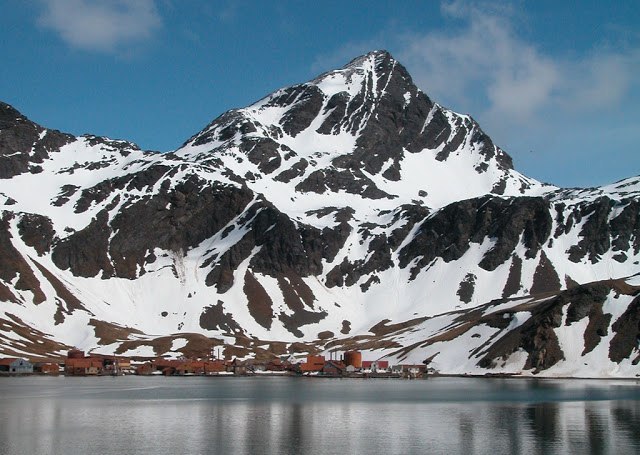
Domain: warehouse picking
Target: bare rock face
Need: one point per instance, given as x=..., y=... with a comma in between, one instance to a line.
x=396, y=124
x=349, y=273
x=155, y=221
x=545, y=278
x=602, y=231
x=214, y=318
x=537, y=336
x=37, y=232
x=85, y=253
x=307, y=108
x=449, y=233
x=285, y=247
x=23, y=144
x=627, y=329
x=15, y=272
x=466, y=288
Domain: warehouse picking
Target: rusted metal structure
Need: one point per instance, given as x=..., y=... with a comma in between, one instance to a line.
x=353, y=358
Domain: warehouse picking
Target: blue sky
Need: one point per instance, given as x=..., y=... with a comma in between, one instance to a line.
x=553, y=83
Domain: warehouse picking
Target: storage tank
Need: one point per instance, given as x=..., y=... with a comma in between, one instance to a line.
x=353, y=358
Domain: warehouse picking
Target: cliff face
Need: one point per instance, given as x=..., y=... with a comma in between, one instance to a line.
x=325, y=208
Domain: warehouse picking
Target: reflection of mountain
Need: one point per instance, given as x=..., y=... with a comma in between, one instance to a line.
x=626, y=416
x=543, y=420
x=598, y=429
x=256, y=415
x=348, y=211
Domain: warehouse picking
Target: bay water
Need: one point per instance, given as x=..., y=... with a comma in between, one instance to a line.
x=285, y=415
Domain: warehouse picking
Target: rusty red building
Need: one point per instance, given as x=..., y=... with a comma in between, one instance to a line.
x=314, y=363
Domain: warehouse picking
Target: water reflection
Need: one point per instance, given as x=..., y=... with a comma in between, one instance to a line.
x=543, y=421
x=597, y=430
x=289, y=416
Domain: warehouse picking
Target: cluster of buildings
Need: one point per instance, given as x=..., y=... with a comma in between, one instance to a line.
x=15, y=366
x=75, y=364
x=79, y=364
x=206, y=367
x=350, y=364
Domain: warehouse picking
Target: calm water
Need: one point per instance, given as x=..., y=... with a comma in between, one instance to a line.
x=194, y=415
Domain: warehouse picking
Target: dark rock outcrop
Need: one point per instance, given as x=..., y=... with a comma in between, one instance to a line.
x=13, y=265
x=23, y=146
x=448, y=233
x=627, y=334
x=214, y=318
x=466, y=288
x=537, y=335
x=37, y=232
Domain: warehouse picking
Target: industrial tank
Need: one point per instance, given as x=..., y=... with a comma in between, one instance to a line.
x=353, y=358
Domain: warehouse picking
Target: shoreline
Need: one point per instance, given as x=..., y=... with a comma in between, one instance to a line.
x=361, y=377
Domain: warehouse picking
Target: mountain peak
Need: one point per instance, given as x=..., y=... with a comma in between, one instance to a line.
x=367, y=70
x=378, y=56
x=24, y=145
x=9, y=116
x=364, y=129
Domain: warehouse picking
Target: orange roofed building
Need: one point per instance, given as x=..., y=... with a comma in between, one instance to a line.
x=171, y=367
x=200, y=367
x=314, y=364
x=50, y=368
x=87, y=366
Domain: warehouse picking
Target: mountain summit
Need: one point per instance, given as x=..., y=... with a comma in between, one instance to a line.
x=365, y=130
x=350, y=211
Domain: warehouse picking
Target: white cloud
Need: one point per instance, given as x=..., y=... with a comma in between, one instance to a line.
x=567, y=116
x=601, y=80
x=484, y=64
x=104, y=26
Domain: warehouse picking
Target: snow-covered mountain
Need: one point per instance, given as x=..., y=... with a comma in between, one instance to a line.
x=348, y=211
